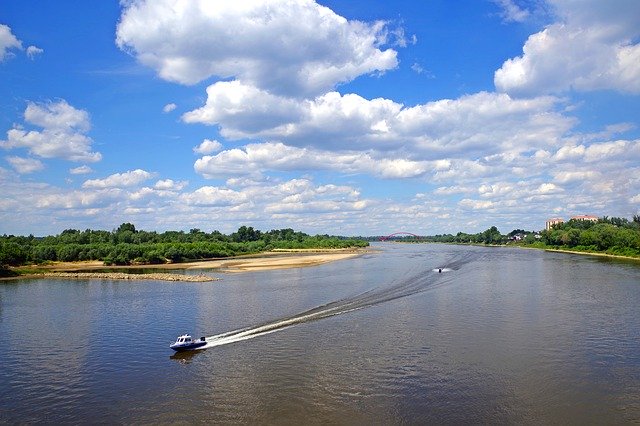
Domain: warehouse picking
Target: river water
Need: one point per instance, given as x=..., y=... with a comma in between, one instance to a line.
x=501, y=335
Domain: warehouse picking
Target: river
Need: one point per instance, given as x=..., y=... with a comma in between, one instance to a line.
x=501, y=335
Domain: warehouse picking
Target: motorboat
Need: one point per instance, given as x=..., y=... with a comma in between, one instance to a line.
x=187, y=343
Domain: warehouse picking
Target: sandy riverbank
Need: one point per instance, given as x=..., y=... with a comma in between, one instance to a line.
x=281, y=259
x=615, y=256
x=587, y=253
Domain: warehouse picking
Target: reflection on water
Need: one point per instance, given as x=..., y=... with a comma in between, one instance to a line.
x=186, y=357
x=504, y=336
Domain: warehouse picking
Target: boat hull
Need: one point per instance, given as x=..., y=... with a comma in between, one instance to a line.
x=188, y=347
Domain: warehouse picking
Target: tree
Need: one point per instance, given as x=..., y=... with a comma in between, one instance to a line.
x=491, y=236
x=126, y=227
x=12, y=254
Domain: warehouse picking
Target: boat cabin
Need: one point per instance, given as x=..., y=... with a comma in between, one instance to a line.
x=185, y=338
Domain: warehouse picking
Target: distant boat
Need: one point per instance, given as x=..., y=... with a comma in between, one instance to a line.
x=186, y=343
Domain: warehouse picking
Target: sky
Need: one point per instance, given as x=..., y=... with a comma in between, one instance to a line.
x=331, y=117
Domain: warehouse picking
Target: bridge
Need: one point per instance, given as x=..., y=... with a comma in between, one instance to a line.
x=395, y=234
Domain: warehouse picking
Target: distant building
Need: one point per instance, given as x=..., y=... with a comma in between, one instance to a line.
x=585, y=217
x=553, y=222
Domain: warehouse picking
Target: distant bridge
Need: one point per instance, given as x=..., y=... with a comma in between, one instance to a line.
x=399, y=233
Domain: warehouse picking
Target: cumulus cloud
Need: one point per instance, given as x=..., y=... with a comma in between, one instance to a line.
x=169, y=107
x=594, y=45
x=170, y=185
x=116, y=180
x=476, y=204
x=244, y=109
x=208, y=147
x=25, y=165
x=78, y=199
x=479, y=122
x=33, y=51
x=599, y=151
x=293, y=47
x=213, y=196
x=256, y=158
x=302, y=196
x=575, y=176
x=82, y=170
x=295, y=199
x=63, y=133
x=8, y=41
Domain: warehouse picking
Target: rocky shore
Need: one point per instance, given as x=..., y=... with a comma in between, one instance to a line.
x=125, y=276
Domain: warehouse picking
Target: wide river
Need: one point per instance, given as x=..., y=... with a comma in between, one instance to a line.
x=501, y=335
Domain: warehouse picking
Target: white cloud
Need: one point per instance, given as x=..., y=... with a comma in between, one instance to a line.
x=208, y=147
x=419, y=69
x=607, y=150
x=497, y=189
x=170, y=185
x=594, y=45
x=62, y=136
x=244, y=109
x=25, y=165
x=257, y=158
x=476, y=204
x=294, y=47
x=213, y=196
x=511, y=12
x=7, y=41
x=169, y=107
x=82, y=170
x=548, y=188
x=472, y=123
x=33, y=51
x=130, y=178
x=599, y=151
x=78, y=199
x=450, y=190
x=145, y=195
x=575, y=176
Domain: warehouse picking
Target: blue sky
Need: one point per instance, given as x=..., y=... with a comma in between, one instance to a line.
x=352, y=118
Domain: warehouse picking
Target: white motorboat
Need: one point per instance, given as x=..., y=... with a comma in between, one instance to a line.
x=187, y=343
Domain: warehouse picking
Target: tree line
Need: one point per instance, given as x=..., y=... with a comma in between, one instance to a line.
x=611, y=235
x=615, y=235
x=126, y=245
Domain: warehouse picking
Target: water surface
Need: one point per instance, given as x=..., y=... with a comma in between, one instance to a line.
x=500, y=336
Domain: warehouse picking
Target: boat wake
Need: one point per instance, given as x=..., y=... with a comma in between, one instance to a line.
x=416, y=283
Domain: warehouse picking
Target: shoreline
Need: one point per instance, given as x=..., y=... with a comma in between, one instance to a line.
x=588, y=253
x=200, y=278
x=280, y=259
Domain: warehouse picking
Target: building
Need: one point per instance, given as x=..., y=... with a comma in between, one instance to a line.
x=585, y=217
x=552, y=222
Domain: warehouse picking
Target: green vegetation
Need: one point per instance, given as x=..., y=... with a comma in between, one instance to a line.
x=126, y=245
x=491, y=236
x=615, y=236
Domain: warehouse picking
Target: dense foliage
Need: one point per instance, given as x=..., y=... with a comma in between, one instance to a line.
x=609, y=235
x=126, y=245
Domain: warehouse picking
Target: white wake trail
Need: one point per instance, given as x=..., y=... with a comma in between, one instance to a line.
x=417, y=283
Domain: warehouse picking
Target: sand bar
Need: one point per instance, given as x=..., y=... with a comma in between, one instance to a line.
x=281, y=259
x=125, y=276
